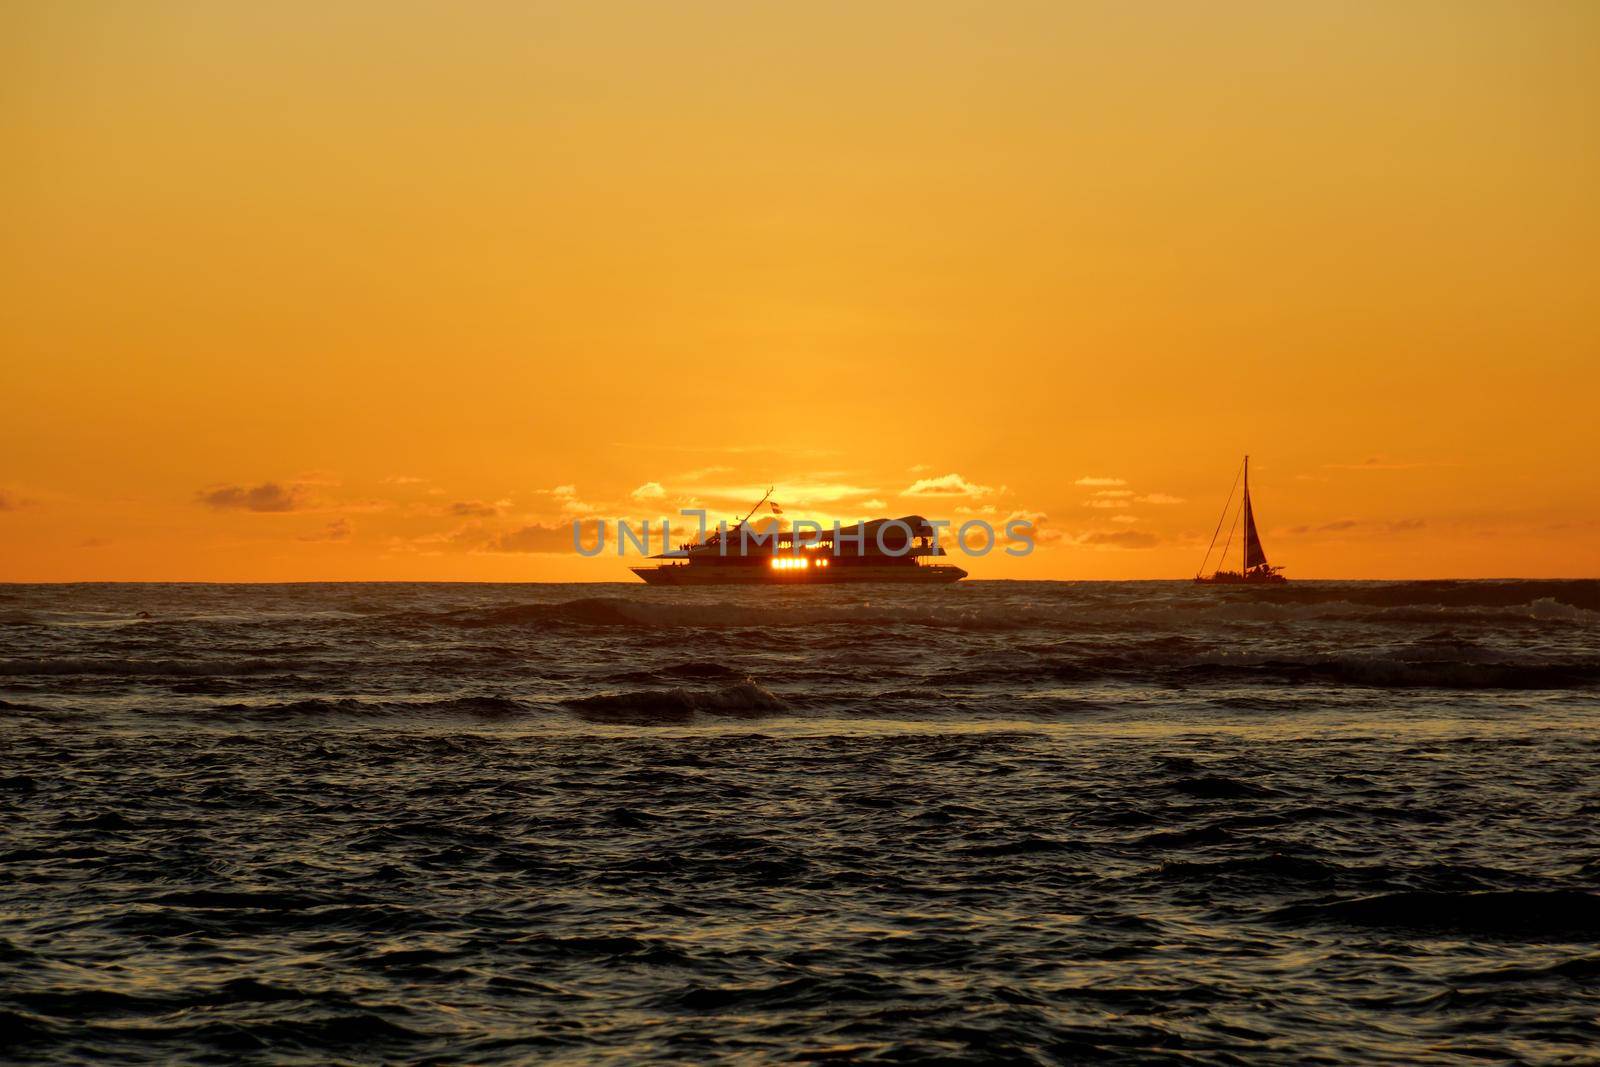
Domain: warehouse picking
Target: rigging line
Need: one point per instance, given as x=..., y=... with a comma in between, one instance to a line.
x=1218, y=530
x=1222, y=560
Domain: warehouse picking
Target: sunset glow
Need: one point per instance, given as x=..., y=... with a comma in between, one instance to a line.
x=711, y=532
x=375, y=291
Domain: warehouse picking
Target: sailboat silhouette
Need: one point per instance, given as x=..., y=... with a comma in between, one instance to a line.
x=1254, y=568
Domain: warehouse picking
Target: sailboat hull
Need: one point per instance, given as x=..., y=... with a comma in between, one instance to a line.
x=1235, y=578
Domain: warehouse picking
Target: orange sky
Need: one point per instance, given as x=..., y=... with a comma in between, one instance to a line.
x=368, y=290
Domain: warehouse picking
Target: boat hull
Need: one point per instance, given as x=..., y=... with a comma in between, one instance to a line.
x=682, y=575
x=1242, y=579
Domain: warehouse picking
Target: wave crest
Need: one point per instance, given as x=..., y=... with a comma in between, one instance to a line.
x=744, y=697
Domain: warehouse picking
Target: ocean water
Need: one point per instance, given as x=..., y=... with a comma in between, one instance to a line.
x=1024, y=822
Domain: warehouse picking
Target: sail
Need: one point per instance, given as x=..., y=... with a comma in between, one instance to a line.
x=1254, y=554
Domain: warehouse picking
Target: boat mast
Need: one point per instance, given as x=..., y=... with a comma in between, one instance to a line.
x=1244, y=542
x=763, y=500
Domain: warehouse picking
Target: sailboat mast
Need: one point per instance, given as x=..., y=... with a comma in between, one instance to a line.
x=1244, y=542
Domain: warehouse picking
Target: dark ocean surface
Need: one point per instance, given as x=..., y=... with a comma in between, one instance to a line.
x=1025, y=822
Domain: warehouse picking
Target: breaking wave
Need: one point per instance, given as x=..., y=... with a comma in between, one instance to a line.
x=745, y=697
x=489, y=707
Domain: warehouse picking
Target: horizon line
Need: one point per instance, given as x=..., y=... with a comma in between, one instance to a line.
x=642, y=585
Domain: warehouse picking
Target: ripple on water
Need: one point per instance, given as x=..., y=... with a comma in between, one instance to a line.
x=1339, y=823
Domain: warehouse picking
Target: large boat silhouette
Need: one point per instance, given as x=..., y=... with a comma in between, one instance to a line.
x=1253, y=566
x=879, y=550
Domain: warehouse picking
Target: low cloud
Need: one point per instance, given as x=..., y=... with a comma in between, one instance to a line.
x=946, y=485
x=1106, y=496
x=473, y=509
x=812, y=493
x=266, y=497
x=787, y=494
x=1373, y=463
x=337, y=530
x=538, y=537
x=701, y=473
x=317, y=478
x=566, y=497
x=465, y=538
x=1119, y=539
x=874, y=505
x=649, y=491
x=1361, y=525
x=8, y=502
x=1037, y=521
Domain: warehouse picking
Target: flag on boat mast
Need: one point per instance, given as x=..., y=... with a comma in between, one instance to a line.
x=776, y=510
